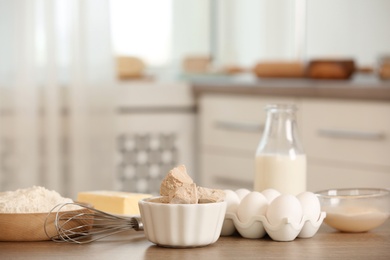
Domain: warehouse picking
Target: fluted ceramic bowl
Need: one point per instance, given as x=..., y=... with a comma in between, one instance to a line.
x=182, y=225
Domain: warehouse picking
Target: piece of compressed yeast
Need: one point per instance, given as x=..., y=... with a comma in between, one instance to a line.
x=206, y=195
x=185, y=194
x=175, y=179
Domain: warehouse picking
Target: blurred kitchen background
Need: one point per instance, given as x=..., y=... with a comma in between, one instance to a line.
x=98, y=94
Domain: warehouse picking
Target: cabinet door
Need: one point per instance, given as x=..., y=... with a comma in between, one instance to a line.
x=323, y=176
x=234, y=122
x=149, y=145
x=347, y=131
x=230, y=130
x=226, y=171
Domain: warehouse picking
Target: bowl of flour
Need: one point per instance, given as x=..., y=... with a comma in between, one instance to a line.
x=24, y=212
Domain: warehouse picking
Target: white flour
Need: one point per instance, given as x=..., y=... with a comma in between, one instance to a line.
x=32, y=200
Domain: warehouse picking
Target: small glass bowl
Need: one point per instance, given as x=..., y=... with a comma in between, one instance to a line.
x=356, y=209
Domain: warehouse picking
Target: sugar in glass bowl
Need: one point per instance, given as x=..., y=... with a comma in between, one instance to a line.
x=355, y=209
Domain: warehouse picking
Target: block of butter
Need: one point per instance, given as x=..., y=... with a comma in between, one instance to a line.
x=114, y=202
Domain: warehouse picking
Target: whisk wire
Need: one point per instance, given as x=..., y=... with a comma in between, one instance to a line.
x=86, y=224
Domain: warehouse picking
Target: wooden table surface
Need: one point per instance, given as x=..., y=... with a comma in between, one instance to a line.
x=326, y=244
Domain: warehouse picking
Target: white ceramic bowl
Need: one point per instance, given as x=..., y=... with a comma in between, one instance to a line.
x=182, y=225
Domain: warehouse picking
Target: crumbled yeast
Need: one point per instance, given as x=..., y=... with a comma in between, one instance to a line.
x=178, y=188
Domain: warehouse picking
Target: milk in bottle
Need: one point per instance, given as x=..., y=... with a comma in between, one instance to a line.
x=280, y=159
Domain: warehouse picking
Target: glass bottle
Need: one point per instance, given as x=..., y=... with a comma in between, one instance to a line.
x=280, y=159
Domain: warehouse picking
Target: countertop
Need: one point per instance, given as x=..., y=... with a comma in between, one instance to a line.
x=360, y=87
x=327, y=243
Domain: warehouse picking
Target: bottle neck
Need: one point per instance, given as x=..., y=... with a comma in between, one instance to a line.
x=280, y=133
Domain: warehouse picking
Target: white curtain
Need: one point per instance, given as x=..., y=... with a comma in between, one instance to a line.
x=56, y=95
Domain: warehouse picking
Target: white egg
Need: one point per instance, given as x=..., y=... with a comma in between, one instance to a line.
x=232, y=201
x=270, y=194
x=284, y=206
x=310, y=205
x=253, y=204
x=241, y=193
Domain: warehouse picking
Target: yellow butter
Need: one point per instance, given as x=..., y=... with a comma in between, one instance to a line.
x=115, y=202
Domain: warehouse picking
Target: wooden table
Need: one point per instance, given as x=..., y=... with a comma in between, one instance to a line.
x=326, y=244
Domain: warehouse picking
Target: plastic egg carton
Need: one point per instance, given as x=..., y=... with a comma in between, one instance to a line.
x=283, y=217
x=259, y=226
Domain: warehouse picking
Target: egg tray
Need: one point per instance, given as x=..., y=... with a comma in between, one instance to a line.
x=258, y=227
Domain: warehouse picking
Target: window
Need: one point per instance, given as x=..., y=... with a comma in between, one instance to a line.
x=233, y=32
x=142, y=29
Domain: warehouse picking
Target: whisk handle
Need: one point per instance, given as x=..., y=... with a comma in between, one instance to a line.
x=137, y=223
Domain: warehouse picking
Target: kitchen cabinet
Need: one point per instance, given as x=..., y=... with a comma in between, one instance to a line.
x=149, y=146
x=346, y=141
x=230, y=128
x=155, y=132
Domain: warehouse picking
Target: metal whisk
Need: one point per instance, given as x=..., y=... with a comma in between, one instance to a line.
x=86, y=224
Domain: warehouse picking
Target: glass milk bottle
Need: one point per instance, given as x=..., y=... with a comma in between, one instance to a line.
x=280, y=159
